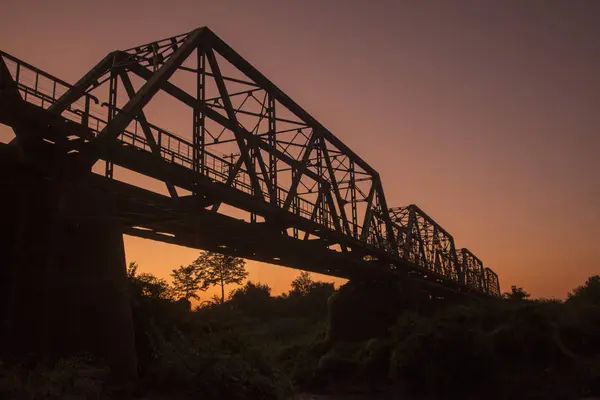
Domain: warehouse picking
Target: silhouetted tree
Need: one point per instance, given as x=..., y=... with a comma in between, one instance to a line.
x=516, y=293
x=251, y=288
x=154, y=287
x=146, y=284
x=131, y=270
x=252, y=298
x=220, y=269
x=187, y=281
x=587, y=293
x=302, y=285
x=308, y=297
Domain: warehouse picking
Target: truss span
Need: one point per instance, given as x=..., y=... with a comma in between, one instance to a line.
x=191, y=112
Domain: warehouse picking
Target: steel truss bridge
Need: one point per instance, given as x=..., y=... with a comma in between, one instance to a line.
x=249, y=173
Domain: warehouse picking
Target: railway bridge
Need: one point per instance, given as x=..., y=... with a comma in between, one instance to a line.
x=246, y=171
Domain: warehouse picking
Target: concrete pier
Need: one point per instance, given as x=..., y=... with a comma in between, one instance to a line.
x=63, y=288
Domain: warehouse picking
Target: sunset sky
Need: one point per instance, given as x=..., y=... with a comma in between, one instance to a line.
x=486, y=114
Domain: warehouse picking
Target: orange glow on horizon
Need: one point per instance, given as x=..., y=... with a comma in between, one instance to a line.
x=160, y=258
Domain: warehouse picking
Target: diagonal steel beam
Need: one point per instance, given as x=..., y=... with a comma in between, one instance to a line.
x=148, y=90
x=313, y=215
x=385, y=213
x=265, y=173
x=244, y=153
x=78, y=90
x=191, y=101
x=299, y=173
x=407, y=245
x=419, y=239
x=335, y=187
x=232, y=174
x=334, y=216
x=244, y=66
x=141, y=117
x=367, y=219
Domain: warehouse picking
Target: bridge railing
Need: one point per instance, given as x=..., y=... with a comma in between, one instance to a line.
x=43, y=90
x=177, y=150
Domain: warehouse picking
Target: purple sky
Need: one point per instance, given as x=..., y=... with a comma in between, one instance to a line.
x=484, y=113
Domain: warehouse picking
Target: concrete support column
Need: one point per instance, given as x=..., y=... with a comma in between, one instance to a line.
x=63, y=286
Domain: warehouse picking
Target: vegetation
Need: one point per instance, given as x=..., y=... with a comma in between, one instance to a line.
x=243, y=348
x=219, y=269
x=304, y=285
x=589, y=293
x=147, y=285
x=366, y=337
x=516, y=293
x=186, y=282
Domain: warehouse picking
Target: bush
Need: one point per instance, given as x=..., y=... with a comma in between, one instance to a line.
x=253, y=299
x=589, y=293
x=71, y=378
x=519, y=349
x=215, y=366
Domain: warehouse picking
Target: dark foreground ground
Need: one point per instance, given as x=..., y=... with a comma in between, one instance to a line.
x=364, y=341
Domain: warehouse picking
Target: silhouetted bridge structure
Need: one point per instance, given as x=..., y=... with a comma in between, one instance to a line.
x=248, y=173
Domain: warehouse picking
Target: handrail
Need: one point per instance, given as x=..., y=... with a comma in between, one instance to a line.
x=43, y=73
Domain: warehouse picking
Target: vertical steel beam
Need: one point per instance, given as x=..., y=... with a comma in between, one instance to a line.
x=321, y=184
x=335, y=187
x=353, y=203
x=408, y=244
x=367, y=220
x=112, y=111
x=272, y=140
x=241, y=142
x=334, y=215
x=253, y=160
x=384, y=208
x=437, y=262
x=455, y=264
x=199, y=121
x=299, y=172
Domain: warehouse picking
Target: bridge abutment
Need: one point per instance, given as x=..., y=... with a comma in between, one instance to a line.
x=63, y=284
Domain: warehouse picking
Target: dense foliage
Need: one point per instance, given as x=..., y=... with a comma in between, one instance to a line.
x=366, y=337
